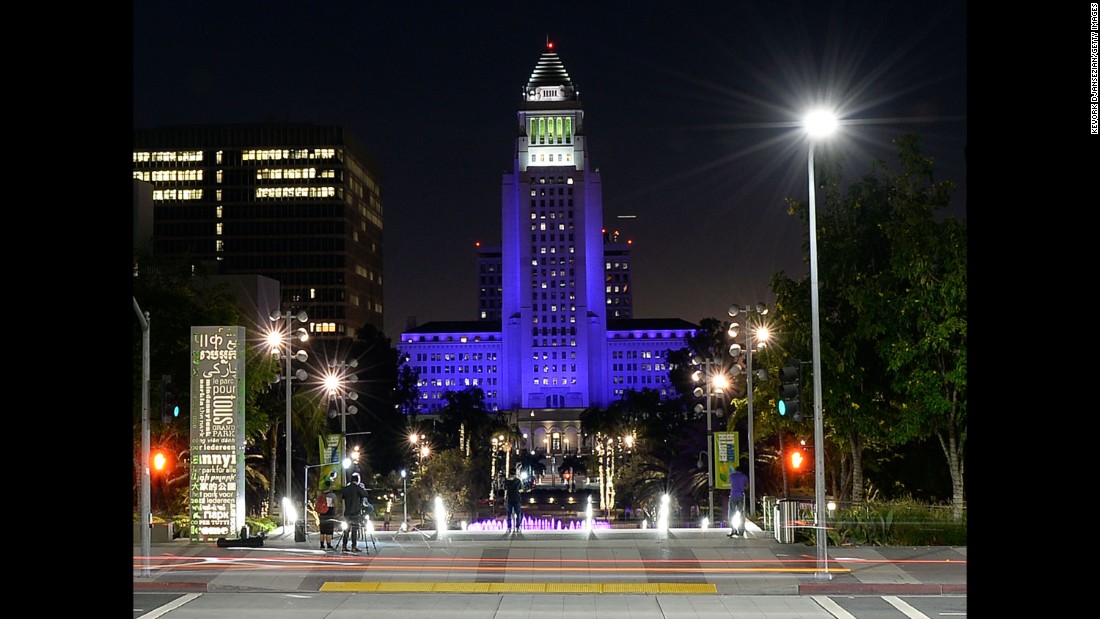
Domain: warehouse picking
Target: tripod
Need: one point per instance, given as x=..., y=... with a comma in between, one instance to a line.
x=363, y=528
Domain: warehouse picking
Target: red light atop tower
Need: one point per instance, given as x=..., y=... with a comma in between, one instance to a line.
x=549, y=45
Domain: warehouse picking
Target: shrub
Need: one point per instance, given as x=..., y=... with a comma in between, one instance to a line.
x=899, y=522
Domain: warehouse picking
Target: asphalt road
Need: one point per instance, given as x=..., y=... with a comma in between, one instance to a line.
x=609, y=573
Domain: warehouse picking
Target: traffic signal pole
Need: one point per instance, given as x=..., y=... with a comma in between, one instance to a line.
x=144, y=519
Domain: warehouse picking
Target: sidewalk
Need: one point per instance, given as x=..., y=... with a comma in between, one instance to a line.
x=769, y=567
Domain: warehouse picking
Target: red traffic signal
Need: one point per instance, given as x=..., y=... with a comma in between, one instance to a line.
x=160, y=460
x=796, y=460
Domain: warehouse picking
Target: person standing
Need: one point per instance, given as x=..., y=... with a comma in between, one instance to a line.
x=738, y=483
x=353, y=495
x=327, y=518
x=511, y=500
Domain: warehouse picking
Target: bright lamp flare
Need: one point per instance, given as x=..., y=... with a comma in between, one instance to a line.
x=440, y=516
x=820, y=123
x=332, y=383
x=274, y=340
x=291, y=513
x=663, y=513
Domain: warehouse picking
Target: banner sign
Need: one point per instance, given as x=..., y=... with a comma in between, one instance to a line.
x=727, y=455
x=331, y=449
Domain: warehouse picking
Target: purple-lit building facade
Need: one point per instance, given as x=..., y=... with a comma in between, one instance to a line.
x=555, y=332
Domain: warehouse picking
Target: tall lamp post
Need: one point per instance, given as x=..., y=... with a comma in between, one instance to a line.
x=760, y=336
x=278, y=339
x=144, y=515
x=818, y=124
x=336, y=386
x=404, y=501
x=713, y=384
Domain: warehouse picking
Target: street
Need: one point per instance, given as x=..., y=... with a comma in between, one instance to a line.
x=612, y=573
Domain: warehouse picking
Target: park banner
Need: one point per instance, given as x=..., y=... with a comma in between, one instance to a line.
x=217, y=431
x=726, y=457
x=330, y=448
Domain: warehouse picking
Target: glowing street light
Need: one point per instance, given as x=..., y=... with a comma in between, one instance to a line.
x=420, y=447
x=819, y=124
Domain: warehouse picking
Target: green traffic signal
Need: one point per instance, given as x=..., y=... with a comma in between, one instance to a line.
x=790, y=391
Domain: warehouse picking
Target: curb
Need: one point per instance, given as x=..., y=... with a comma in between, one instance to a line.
x=867, y=588
x=175, y=587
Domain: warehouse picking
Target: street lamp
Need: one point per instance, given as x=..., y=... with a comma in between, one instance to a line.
x=818, y=124
x=699, y=465
x=404, y=501
x=277, y=339
x=715, y=383
x=421, y=448
x=760, y=335
x=335, y=385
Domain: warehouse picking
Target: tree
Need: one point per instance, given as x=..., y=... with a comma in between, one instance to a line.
x=386, y=387
x=456, y=478
x=178, y=295
x=921, y=329
x=465, y=419
x=606, y=427
x=175, y=296
x=892, y=292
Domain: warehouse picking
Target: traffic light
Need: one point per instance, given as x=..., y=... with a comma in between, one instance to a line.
x=160, y=461
x=167, y=399
x=790, y=391
x=796, y=460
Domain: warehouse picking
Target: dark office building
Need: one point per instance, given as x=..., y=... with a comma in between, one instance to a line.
x=295, y=202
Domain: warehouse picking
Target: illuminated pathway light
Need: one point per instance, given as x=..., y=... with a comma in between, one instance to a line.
x=290, y=512
x=662, y=514
x=440, y=516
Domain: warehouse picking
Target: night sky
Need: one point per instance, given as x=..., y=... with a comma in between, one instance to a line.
x=691, y=116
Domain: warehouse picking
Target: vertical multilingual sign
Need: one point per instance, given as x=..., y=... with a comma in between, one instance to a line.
x=217, y=431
